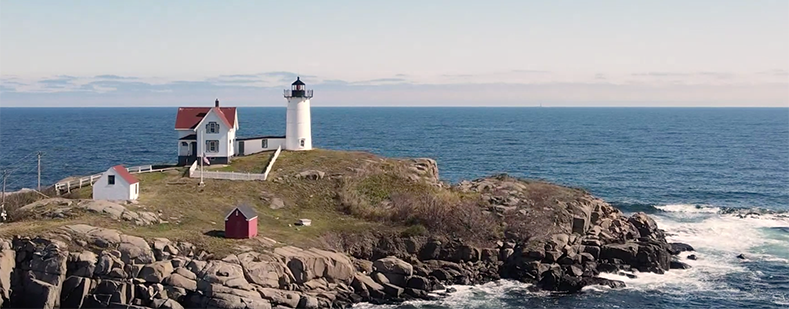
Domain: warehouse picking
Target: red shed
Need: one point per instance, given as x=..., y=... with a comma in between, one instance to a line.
x=241, y=222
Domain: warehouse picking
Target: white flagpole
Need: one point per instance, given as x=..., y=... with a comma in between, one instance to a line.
x=201, y=159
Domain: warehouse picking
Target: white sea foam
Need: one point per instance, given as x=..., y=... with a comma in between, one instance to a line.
x=687, y=208
x=718, y=238
x=480, y=296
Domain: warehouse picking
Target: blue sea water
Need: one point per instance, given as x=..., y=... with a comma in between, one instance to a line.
x=717, y=179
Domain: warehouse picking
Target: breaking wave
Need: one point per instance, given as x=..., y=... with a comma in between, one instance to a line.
x=718, y=278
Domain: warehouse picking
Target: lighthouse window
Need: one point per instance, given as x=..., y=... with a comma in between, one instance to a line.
x=212, y=127
x=301, y=142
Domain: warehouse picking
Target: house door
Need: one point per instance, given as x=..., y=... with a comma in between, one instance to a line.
x=194, y=149
x=241, y=148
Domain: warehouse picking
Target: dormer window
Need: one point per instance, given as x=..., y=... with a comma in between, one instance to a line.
x=212, y=127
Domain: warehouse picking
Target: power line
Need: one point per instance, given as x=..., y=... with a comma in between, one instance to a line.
x=23, y=158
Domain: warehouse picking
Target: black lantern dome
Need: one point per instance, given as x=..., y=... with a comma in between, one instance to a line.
x=298, y=90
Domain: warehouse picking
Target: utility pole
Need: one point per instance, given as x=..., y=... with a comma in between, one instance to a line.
x=5, y=176
x=39, y=171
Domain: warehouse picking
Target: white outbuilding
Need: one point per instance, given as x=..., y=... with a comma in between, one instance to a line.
x=116, y=184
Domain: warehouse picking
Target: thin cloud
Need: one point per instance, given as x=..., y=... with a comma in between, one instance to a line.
x=118, y=77
x=4, y=88
x=530, y=71
x=776, y=72
x=240, y=76
x=384, y=80
x=662, y=74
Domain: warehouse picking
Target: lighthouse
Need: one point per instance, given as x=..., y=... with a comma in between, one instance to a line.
x=298, y=132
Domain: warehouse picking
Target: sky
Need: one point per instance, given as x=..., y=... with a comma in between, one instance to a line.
x=395, y=53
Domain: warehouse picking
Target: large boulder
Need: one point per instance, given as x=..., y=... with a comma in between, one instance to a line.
x=645, y=225
x=135, y=250
x=395, y=270
x=677, y=247
x=74, y=291
x=393, y=265
x=156, y=272
x=265, y=270
x=81, y=264
x=40, y=294
x=7, y=265
x=366, y=286
x=625, y=252
x=306, y=265
x=166, y=304
x=178, y=280
x=283, y=298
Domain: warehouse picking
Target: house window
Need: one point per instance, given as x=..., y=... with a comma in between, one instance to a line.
x=110, y=179
x=212, y=127
x=212, y=146
x=264, y=143
x=302, y=142
x=184, y=144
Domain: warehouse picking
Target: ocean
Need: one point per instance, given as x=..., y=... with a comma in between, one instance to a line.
x=715, y=178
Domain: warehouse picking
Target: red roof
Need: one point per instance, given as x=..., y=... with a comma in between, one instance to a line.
x=124, y=173
x=189, y=117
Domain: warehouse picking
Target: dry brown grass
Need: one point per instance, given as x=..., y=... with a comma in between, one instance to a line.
x=193, y=211
x=361, y=194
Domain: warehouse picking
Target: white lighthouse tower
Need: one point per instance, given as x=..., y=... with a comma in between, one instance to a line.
x=298, y=133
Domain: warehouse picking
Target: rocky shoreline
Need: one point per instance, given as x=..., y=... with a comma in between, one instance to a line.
x=560, y=249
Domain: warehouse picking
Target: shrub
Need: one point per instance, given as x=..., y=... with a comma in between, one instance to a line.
x=414, y=230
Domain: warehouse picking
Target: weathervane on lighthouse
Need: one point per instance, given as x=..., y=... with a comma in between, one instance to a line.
x=298, y=132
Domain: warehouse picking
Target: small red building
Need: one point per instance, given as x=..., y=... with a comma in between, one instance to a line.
x=241, y=222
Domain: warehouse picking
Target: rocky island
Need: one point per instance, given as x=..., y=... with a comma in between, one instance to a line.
x=383, y=230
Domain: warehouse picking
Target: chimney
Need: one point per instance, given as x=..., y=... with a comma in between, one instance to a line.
x=216, y=104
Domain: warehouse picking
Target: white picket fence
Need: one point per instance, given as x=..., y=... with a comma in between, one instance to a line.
x=271, y=163
x=194, y=171
x=66, y=186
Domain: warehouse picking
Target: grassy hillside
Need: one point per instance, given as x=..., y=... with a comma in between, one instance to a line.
x=195, y=213
x=359, y=193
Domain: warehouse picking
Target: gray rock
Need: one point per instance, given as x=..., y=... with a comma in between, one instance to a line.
x=135, y=250
x=74, y=291
x=380, y=278
x=678, y=265
x=308, y=302
x=311, y=174
x=277, y=297
x=276, y=203
x=646, y=226
x=178, y=280
x=156, y=272
x=392, y=290
x=363, y=282
x=39, y=294
x=552, y=256
x=7, y=265
x=81, y=264
x=305, y=265
x=166, y=304
x=265, y=270
x=625, y=252
x=393, y=265
x=217, y=271
x=420, y=283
